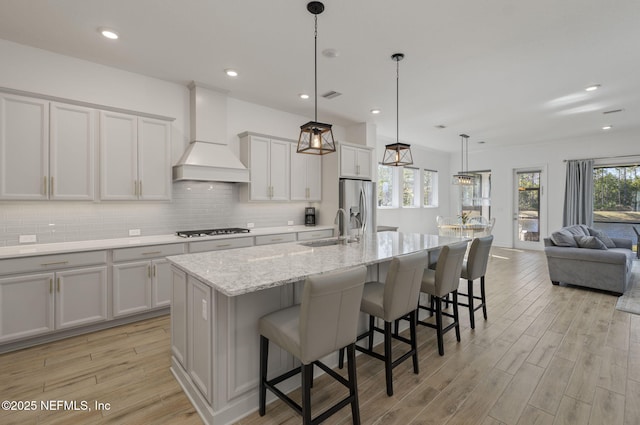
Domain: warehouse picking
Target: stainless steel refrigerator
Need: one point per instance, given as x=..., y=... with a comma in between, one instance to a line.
x=358, y=199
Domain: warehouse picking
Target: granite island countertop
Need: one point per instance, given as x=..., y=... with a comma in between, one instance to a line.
x=244, y=270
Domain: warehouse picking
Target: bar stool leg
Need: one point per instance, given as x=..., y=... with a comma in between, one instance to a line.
x=455, y=314
x=371, y=326
x=388, y=367
x=353, y=386
x=413, y=318
x=438, y=302
x=307, y=376
x=264, y=355
x=484, y=299
x=472, y=318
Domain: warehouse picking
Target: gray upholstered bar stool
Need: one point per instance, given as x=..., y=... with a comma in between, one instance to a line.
x=475, y=267
x=394, y=299
x=325, y=321
x=438, y=284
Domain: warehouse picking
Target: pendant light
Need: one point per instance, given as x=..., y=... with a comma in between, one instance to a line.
x=397, y=154
x=316, y=137
x=463, y=178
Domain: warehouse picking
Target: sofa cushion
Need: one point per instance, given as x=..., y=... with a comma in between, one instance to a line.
x=590, y=242
x=603, y=237
x=563, y=237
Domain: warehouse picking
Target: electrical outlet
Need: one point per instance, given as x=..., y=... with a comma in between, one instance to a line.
x=28, y=238
x=290, y=222
x=134, y=232
x=250, y=225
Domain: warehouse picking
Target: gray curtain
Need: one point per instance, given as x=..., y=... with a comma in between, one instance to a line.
x=578, y=193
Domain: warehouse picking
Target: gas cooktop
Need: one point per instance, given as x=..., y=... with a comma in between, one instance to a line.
x=210, y=232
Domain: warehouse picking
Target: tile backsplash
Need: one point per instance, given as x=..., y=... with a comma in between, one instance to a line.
x=195, y=205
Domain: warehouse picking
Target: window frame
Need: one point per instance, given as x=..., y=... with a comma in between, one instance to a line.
x=434, y=188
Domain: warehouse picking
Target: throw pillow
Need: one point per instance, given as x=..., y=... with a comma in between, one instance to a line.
x=590, y=242
x=564, y=238
x=603, y=237
x=577, y=230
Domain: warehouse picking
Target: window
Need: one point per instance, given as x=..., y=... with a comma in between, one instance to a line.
x=429, y=188
x=410, y=187
x=616, y=199
x=386, y=184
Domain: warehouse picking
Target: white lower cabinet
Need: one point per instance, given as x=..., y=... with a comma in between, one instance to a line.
x=38, y=303
x=142, y=285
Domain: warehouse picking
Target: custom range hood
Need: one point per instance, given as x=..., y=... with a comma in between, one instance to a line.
x=208, y=158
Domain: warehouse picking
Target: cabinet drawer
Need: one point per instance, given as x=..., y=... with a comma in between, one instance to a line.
x=216, y=245
x=271, y=239
x=144, y=252
x=52, y=262
x=315, y=234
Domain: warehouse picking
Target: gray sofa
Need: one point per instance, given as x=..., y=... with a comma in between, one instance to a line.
x=584, y=256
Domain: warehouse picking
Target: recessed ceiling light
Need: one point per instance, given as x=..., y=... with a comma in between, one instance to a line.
x=607, y=127
x=303, y=96
x=231, y=72
x=593, y=87
x=108, y=33
x=375, y=111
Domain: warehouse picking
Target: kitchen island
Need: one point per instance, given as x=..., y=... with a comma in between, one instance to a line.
x=219, y=296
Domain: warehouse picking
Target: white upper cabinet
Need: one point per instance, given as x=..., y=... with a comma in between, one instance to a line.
x=72, y=152
x=306, y=176
x=154, y=159
x=268, y=162
x=24, y=148
x=355, y=162
x=134, y=158
x=48, y=150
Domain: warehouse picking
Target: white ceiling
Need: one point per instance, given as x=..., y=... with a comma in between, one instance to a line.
x=502, y=71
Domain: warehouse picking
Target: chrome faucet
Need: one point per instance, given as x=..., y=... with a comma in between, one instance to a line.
x=344, y=229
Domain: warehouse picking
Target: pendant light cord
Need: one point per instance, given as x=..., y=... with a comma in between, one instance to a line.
x=315, y=64
x=398, y=101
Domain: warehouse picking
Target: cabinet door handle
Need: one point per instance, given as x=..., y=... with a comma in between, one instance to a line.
x=57, y=263
x=155, y=267
x=44, y=186
x=51, y=186
x=149, y=271
x=135, y=187
x=224, y=245
x=58, y=284
x=140, y=191
x=152, y=252
x=276, y=239
x=50, y=285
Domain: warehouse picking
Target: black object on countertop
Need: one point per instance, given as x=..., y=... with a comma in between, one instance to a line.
x=211, y=232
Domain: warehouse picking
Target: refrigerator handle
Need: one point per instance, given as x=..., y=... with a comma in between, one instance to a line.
x=363, y=208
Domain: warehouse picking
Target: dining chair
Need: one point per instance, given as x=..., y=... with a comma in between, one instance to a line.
x=325, y=321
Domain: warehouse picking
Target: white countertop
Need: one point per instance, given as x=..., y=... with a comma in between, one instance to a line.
x=18, y=251
x=240, y=271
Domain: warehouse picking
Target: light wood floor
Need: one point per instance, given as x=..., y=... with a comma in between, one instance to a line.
x=547, y=355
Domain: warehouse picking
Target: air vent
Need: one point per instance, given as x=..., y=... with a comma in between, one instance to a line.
x=613, y=111
x=331, y=94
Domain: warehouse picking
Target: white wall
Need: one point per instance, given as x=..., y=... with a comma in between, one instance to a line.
x=503, y=161
x=420, y=220
x=195, y=205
